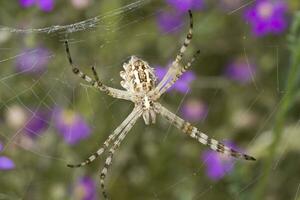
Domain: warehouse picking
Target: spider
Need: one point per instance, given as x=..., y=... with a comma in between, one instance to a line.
x=139, y=82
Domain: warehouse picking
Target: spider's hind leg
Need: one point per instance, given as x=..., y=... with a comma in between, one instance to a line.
x=115, y=146
x=110, y=138
x=95, y=155
x=193, y=132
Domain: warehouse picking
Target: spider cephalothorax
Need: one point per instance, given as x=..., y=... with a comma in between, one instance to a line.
x=139, y=81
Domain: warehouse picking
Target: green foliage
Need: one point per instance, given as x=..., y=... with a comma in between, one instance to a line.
x=260, y=116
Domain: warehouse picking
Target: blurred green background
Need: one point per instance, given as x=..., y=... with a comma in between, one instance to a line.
x=243, y=90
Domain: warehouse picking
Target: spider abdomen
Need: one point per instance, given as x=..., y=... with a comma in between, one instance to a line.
x=138, y=76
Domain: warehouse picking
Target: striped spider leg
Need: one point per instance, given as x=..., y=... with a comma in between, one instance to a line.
x=116, y=93
x=139, y=82
x=121, y=132
x=176, y=69
x=193, y=132
x=110, y=138
x=112, y=150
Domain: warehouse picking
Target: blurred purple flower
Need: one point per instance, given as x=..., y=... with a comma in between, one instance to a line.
x=267, y=16
x=169, y=21
x=5, y=162
x=240, y=71
x=182, y=84
x=185, y=5
x=85, y=189
x=44, y=5
x=27, y=3
x=217, y=165
x=194, y=110
x=71, y=126
x=33, y=61
x=37, y=123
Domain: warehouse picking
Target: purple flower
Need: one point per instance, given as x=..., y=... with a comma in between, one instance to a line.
x=240, y=71
x=182, y=84
x=71, y=126
x=37, y=123
x=32, y=123
x=267, y=16
x=33, y=61
x=217, y=165
x=169, y=21
x=194, y=110
x=85, y=189
x=27, y=3
x=5, y=162
x=185, y=5
x=44, y=5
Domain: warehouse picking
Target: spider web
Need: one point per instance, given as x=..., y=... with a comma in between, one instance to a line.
x=149, y=152
x=90, y=23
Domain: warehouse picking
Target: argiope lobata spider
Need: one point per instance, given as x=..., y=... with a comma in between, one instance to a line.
x=140, y=84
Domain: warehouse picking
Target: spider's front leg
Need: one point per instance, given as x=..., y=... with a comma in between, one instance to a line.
x=177, y=73
x=116, y=93
x=193, y=132
x=176, y=70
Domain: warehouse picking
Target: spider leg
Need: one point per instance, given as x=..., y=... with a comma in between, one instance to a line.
x=119, y=94
x=175, y=68
x=95, y=74
x=112, y=150
x=193, y=132
x=179, y=72
x=187, y=40
x=110, y=138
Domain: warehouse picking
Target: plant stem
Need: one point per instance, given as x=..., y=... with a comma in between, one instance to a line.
x=286, y=102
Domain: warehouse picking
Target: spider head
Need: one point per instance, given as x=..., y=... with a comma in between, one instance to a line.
x=138, y=76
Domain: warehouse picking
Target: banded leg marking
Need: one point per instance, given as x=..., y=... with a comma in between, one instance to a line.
x=193, y=132
x=177, y=76
x=115, y=146
x=110, y=138
x=120, y=94
x=187, y=40
x=179, y=56
x=99, y=84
